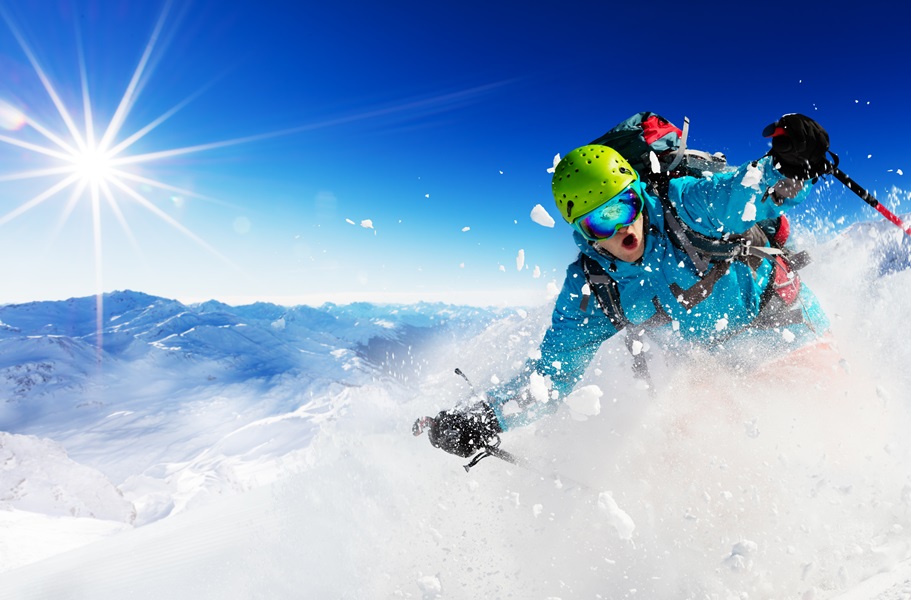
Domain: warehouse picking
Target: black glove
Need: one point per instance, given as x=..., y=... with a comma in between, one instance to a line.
x=799, y=146
x=464, y=433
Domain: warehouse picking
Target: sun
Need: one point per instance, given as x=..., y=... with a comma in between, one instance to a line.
x=93, y=166
x=93, y=163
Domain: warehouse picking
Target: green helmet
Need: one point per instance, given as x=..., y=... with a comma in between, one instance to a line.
x=587, y=177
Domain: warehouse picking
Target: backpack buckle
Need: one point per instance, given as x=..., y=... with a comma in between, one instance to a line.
x=745, y=245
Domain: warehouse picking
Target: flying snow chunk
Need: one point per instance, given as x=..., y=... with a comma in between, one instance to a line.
x=556, y=162
x=617, y=518
x=721, y=324
x=752, y=177
x=537, y=272
x=585, y=402
x=538, y=386
x=464, y=229
x=637, y=347
x=749, y=211
x=653, y=159
x=788, y=335
x=367, y=224
x=350, y=222
x=741, y=558
x=899, y=171
x=540, y=216
x=430, y=585
x=520, y=260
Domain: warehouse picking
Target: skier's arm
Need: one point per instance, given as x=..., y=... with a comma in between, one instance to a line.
x=734, y=201
x=566, y=351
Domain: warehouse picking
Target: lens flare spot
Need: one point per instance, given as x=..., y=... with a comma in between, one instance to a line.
x=11, y=118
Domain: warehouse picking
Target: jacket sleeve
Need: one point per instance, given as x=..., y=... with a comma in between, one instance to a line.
x=733, y=201
x=568, y=347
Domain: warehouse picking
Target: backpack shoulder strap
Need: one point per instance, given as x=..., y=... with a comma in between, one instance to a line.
x=704, y=250
x=606, y=291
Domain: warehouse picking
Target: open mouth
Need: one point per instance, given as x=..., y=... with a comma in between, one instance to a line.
x=629, y=242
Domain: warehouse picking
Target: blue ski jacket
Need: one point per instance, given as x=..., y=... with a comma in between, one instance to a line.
x=729, y=202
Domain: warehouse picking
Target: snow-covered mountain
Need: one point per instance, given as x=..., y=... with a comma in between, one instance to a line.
x=266, y=452
x=102, y=398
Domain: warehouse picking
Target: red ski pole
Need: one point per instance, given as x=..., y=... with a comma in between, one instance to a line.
x=869, y=199
x=832, y=167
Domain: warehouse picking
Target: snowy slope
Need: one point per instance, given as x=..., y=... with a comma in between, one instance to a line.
x=180, y=404
x=722, y=486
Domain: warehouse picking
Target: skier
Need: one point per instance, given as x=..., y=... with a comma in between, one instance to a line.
x=747, y=305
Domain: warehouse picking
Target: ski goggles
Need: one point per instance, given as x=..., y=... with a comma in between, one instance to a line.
x=606, y=219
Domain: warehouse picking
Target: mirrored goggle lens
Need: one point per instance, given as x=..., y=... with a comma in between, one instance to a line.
x=604, y=221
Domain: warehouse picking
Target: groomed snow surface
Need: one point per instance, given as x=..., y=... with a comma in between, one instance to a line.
x=182, y=471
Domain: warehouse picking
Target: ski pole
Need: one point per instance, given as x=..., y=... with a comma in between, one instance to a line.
x=832, y=167
x=867, y=196
x=493, y=449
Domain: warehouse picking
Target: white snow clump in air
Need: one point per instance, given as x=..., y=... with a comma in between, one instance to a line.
x=538, y=388
x=520, y=260
x=636, y=347
x=584, y=402
x=464, y=229
x=556, y=162
x=749, y=211
x=510, y=408
x=740, y=559
x=540, y=216
x=350, y=222
x=752, y=177
x=653, y=159
x=367, y=224
x=617, y=518
x=788, y=335
x=721, y=324
x=430, y=585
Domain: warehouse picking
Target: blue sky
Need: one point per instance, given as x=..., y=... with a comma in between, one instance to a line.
x=435, y=122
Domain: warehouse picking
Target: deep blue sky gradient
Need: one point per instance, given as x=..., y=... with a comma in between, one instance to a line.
x=425, y=118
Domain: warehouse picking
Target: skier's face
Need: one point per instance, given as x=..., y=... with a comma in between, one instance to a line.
x=628, y=244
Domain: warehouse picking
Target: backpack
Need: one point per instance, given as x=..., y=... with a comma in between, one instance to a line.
x=657, y=150
x=644, y=134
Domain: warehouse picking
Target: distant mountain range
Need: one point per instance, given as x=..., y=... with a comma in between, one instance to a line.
x=49, y=347
x=149, y=399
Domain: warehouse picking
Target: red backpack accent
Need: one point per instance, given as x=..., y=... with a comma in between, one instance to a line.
x=654, y=128
x=784, y=232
